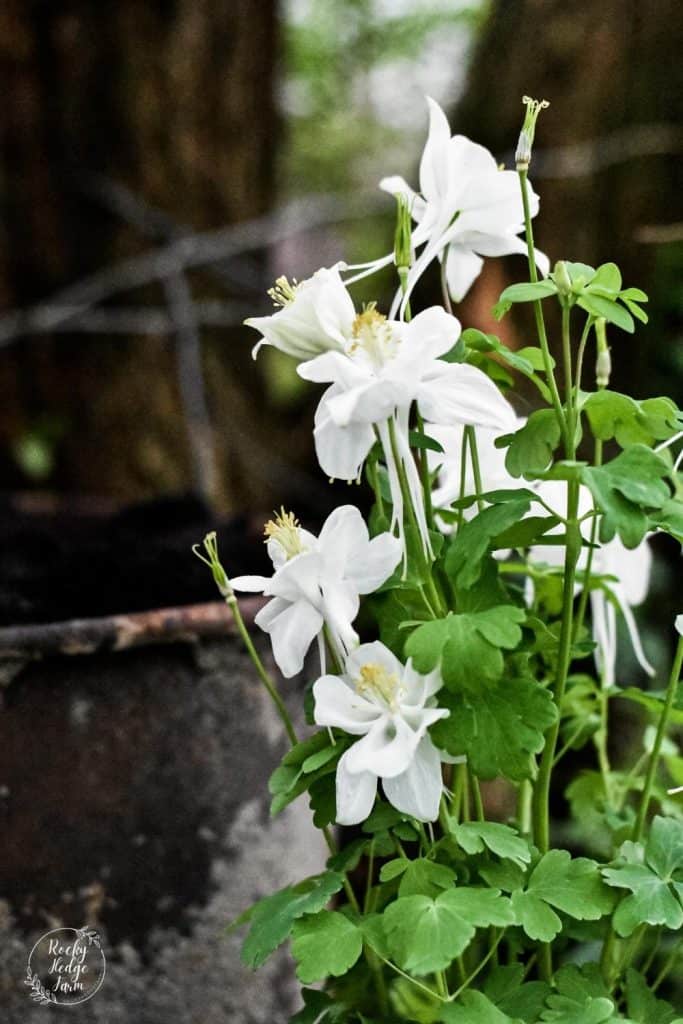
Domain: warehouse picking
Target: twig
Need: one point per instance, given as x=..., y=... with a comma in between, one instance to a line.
x=121, y=632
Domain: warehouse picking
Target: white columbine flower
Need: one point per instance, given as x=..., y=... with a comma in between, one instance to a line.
x=467, y=208
x=390, y=706
x=317, y=582
x=679, y=624
x=630, y=567
x=387, y=365
x=314, y=315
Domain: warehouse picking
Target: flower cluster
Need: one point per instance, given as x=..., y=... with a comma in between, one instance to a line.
x=497, y=575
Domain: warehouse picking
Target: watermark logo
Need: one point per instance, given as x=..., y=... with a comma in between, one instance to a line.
x=65, y=967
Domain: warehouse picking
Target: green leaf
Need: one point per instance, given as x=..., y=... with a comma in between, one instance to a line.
x=424, y=877
x=464, y=559
x=393, y=868
x=423, y=441
x=506, y=988
x=598, y=305
x=608, y=277
x=480, y=342
x=533, y=354
x=643, y=1005
x=536, y=917
x=272, y=918
x=530, y=449
x=475, y=1008
x=572, y=885
x=581, y=998
x=497, y=727
x=502, y=840
x=325, y=944
x=654, y=701
x=315, y=1011
x=670, y=518
x=654, y=877
x=528, y=292
x=623, y=487
x=425, y=935
x=525, y=532
x=468, y=646
x=613, y=415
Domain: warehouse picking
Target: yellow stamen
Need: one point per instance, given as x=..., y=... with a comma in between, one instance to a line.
x=284, y=528
x=283, y=292
x=375, y=680
x=372, y=333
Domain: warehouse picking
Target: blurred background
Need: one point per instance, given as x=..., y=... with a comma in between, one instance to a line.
x=161, y=163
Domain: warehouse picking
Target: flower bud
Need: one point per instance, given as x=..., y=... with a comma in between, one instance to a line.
x=562, y=279
x=526, y=136
x=403, y=239
x=603, y=362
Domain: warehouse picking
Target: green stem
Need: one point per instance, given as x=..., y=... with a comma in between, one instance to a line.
x=668, y=965
x=541, y=800
x=524, y=794
x=659, y=739
x=567, y=361
x=480, y=966
x=433, y=593
x=538, y=311
x=333, y=848
x=476, y=470
x=425, y=475
x=263, y=675
x=579, y=357
x=476, y=792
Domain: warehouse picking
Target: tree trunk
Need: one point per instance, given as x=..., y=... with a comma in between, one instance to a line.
x=172, y=99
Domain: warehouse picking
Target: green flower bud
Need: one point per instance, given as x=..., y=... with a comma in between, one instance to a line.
x=403, y=245
x=603, y=362
x=219, y=574
x=562, y=279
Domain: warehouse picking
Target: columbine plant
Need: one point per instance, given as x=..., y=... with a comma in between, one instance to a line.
x=501, y=561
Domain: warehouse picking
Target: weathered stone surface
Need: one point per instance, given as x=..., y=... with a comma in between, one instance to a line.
x=133, y=791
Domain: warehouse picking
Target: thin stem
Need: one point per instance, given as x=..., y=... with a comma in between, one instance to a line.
x=580, y=354
x=668, y=965
x=480, y=966
x=585, y=590
x=476, y=792
x=659, y=738
x=414, y=981
x=368, y=880
x=538, y=311
x=425, y=476
x=373, y=473
x=524, y=794
x=434, y=595
x=567, y=361
x=263, y=675
x=333, y=848
x=476, y=470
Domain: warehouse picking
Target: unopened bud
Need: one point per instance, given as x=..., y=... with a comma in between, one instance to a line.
x=403, y=236
x=603, y=362
x=562, y=279
x=526, y=136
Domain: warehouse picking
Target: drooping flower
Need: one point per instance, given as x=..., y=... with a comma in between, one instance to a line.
x=386, y=366
x=629, y=567
x=467, y=208
x=317, y=582
x=390, y=706
x=314, y=315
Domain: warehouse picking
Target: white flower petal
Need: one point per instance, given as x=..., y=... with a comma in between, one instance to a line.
x=387, y=748
x=370, y=568
x=679, y=624
x=435, y=163
x=337, y=704
x=292, y=629
x=460, y=393
x=340, y=607
x=355, y=794
x=463, y=267
x=341, y=451
x=417, y=791
x=250, y=584
x=431, y=334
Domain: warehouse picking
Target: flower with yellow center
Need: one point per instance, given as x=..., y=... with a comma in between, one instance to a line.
x=317, y=581
x=312, y=316
x=285, y=531
x=373, y=337
x=390, y=706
